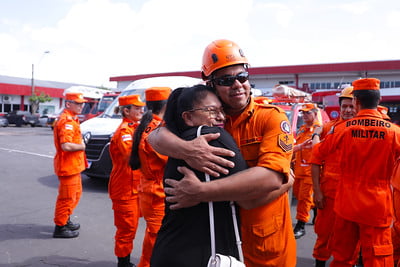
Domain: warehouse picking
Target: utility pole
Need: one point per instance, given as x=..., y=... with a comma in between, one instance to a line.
x=33, y=76
x=33, y=72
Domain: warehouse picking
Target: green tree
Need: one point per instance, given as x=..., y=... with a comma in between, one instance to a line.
x=37, y=98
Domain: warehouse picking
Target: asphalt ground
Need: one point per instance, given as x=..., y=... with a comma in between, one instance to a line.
x=27, y=195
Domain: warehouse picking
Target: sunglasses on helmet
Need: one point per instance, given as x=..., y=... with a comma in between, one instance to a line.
x=230, y=80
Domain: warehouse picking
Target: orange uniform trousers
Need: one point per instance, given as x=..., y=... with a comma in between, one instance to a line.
x=126, y=220
x=69, y=194
x=151, y=199
x=303, y=191
x=324, y=223
x=376, y=242
x=396, y=226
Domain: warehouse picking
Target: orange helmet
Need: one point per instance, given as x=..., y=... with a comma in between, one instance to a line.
x=347, y=92
x=219, y=54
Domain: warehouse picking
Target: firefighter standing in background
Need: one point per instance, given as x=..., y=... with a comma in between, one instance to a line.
x=151, y=164
x=69, y=162
x=123, y=184
x=368, y=149
x=302, y=187
x=325, y=177
x=396, y=206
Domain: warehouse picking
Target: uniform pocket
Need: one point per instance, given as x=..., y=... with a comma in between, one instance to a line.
x=383, y=250
x=250, y=151
x=268, y=237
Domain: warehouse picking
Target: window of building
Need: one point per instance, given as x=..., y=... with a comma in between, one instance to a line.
x=286, y=82
x=7, y=108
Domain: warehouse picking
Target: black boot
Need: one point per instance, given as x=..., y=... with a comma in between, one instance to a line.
x=319, y=263
x=64, y=232
x=73, y=226
x=125, y=261
x=299, y=230
x=315, y=210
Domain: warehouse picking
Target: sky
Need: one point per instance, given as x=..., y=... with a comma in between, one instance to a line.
x=89, y=41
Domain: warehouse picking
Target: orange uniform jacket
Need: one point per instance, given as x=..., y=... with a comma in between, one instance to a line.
x=123, y=184
x=152, y=163
x=368, y=148
x=67, y=130
x=263, y=135
x=302, y=166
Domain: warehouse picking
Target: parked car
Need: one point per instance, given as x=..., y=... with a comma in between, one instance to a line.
x=43, y=120
x=21, y=117
x=3, y=121
x=52, y=118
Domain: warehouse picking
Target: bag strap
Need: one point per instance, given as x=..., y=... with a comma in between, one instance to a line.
x=211, y=217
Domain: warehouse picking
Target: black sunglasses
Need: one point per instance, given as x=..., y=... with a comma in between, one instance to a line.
x=230, y=80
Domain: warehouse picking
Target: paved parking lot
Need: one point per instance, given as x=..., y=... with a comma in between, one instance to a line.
x=28, y=192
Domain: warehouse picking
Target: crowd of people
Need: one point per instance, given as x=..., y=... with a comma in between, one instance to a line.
x=346, y=171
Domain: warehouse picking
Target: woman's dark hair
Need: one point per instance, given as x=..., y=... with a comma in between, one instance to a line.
x=369, y=99
x=183, y=99
x=152, y=107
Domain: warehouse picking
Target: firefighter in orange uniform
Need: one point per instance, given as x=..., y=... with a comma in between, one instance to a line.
x=396, y=206
x=124, y=182
x=69, y=162
x=302, y=187
x=151, y=164
x=325, y=177
x=264, y=137
x=369, y=147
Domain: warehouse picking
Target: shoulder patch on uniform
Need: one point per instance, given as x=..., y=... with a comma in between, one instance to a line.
x=285, y=127
x=126, y=137
x=284, y=142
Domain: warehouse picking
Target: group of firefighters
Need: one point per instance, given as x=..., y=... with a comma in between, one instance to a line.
x=345, y=169
x=350, y=179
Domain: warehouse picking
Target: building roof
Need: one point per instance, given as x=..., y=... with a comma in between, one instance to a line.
x=41, y=83
x=23, y=86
